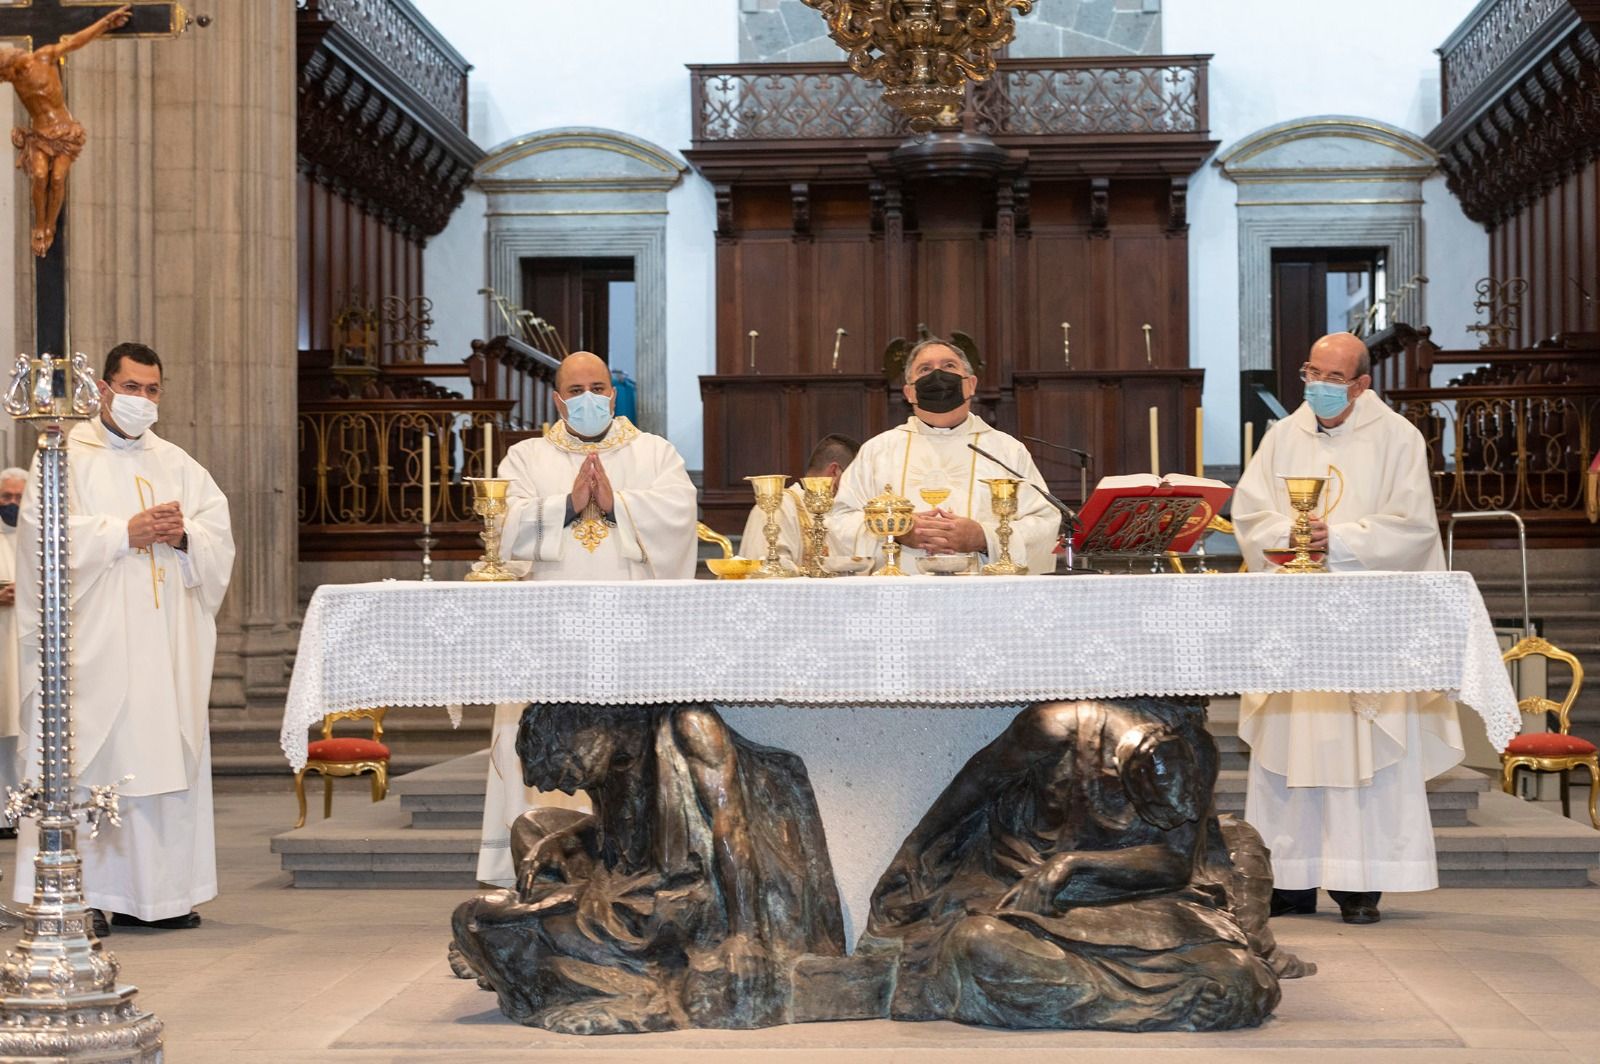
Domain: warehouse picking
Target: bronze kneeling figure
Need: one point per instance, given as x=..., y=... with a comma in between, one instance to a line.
x=683, y=900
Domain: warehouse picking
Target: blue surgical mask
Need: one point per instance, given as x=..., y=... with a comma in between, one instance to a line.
x=8, y=514
x=1327, y=399
x=588, y=414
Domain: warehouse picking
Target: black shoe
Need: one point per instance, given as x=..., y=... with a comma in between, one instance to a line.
x=170, y=923
x=97, y=920
x=1358, y=907
x=1293, y=902
x=8, y=832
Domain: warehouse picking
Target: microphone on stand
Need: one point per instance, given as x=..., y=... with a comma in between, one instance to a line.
x=1083, y=456
x=1066, y=511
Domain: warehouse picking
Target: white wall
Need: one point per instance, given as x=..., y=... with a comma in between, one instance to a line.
x=1276, y=61
x=619, y=65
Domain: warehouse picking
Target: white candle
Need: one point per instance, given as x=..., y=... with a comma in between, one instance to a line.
x=1249, y=441
x=1199, y=441
x=1155, y=444
x=488, y=448
x=427, y=477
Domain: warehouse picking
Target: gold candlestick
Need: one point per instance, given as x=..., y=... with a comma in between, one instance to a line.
x=769, y=491
x=1149, y=358
x=819, y=504
x=754, y=336
x=489, y=503
x=1003, y=501
x=1303, y=495
x=887, y=516
x=838, y=338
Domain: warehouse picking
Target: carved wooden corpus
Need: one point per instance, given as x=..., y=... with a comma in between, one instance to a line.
x=1100, y=206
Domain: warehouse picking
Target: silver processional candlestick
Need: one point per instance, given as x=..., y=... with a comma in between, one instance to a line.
x=59, y=997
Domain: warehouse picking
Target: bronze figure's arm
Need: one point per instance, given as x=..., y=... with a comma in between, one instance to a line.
x=713, y=762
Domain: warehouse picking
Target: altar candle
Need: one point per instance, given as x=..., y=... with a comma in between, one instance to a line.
x=1155, y=448
x=427, y=478
x=1199, y=441
x=1249, y=441
x=488, y=448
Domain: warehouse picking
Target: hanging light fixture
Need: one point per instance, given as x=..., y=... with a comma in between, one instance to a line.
x=923, y=51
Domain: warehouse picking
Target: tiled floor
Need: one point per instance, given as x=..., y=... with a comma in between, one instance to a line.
x=278, y=975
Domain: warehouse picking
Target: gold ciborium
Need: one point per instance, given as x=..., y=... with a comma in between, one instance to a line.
x=888, y=516
x=1003, y=501
x=769, y=491
x=819, y=504
x=489, y=503
x=1304, y=492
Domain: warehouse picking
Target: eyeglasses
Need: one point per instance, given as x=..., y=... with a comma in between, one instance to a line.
x=1309, y=373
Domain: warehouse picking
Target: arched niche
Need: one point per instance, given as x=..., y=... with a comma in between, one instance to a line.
x=1327, y=181
x=585, y=192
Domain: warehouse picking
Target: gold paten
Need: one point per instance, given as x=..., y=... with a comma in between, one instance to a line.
x=888, y=516
x=769, y=491
x=1003, y=501
x=923, y=51
x=1303, y=495
x=818, y=505
x=489, y=503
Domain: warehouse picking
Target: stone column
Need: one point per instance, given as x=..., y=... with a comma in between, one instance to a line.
x=183, y=229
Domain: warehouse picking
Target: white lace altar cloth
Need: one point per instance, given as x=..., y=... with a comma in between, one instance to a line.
x=861, y=641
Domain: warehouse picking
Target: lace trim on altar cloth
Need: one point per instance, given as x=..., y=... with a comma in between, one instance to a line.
x=977, y=642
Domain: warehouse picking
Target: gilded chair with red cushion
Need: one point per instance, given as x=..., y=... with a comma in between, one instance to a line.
x=1551, y=751
x=345, y=757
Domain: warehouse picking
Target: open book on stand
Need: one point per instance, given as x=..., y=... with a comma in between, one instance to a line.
x=1142, y=513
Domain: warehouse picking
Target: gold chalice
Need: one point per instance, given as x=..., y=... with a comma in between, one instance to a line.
x=887, y=516
x=819, y=504
x=1003, y=501
x=489, y=503
x=1303, y=495
x=769, y=491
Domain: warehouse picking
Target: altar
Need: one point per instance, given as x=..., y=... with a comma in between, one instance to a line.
x=885, y=687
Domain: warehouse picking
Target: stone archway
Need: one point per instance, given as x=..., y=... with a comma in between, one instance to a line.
x=587, y=192
x=1330, y=180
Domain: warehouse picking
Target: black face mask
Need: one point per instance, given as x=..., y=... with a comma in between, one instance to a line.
x=940, y=392
x=8, y=514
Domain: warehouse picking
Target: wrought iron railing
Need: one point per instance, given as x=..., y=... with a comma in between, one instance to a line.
x=361, y=461
x=1026, y=97
x=1490, y=36
x=407, y=44
x=1507, y=447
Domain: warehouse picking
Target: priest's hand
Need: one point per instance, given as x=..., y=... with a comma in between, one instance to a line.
x=155, y=525
x=603, y=496
x=1319, y=534
x=8, y=594
x=940, y=532
x=582, y=486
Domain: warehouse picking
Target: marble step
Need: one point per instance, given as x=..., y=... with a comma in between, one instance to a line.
x=1485, y=838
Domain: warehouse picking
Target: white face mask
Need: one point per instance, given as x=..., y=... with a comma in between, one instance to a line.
x=132, y=413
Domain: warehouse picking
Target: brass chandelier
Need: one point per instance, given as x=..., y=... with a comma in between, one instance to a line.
x=923, y=51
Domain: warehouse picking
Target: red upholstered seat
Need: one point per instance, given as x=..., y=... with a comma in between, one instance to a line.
x=351, y=750
x=1549, y=744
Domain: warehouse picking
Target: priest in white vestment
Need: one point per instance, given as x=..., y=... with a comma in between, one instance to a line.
x=1336, y=782
x=13, y=484
x=594, y=499
x=152, y=552
x=829, y=458
x=927, y=461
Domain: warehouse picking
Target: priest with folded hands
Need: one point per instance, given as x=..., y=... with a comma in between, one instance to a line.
x=928, y=461
x=593, y=499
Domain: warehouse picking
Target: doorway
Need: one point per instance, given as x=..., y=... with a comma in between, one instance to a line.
x=589, y=301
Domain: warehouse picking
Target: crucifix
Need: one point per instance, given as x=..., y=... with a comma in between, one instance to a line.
x=51, y=142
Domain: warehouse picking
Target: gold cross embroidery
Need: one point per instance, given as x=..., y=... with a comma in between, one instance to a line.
x=590, y=530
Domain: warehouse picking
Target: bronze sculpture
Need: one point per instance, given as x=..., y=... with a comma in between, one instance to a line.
x=53, y=140
x=1073, y=875
x=683, y=900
